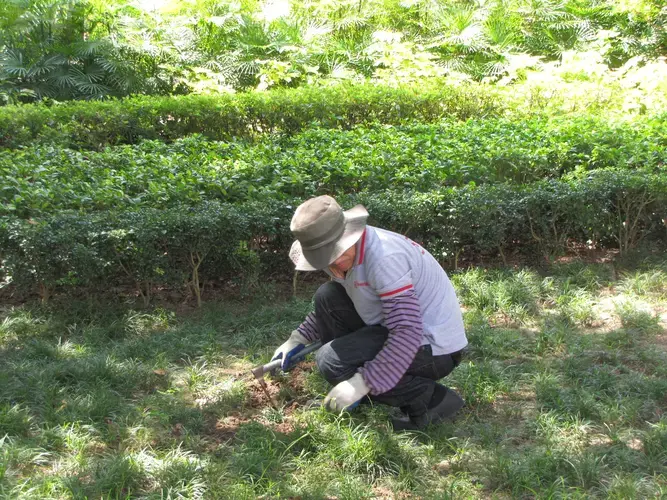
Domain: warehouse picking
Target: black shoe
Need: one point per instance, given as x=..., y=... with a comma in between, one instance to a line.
x=403, y=423
x=445, y=410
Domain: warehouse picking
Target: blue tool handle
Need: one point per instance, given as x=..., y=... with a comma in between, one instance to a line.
x=275, y=364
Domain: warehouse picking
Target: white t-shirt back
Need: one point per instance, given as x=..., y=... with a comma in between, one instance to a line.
x=388, y=264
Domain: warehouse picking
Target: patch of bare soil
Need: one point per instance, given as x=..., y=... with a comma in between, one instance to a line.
x=661, y=340
x=444, y=467
x=297, y=376
x=382, y=493
x=258, y=396
x=583, y=253
x=606, y=319
x=291, y=408
x=291, y=384
x=284, y=427
x=226, y=428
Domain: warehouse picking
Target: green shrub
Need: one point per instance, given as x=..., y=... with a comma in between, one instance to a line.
x=557, y=212
x=94, y=125
x=185, y=245
x=624, y=206
x=41, y=179
x=144, y=248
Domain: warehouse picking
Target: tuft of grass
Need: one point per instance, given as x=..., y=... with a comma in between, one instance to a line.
x=112, y=475
x=15, y=420
x=637, y=317
x=513, y=296
x=553, y=336
x=644, y=283
x=633, y=485
x=482, y=382
x=137, y=323
x=654, y=446
x=224, y=396
x=488, y=343
x=21, y=324
x=589, y=277
x=177, y=474
x=562, y=432
x=18, y=459
x=576, y=305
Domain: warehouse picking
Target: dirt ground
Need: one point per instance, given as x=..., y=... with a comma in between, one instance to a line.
x=293, y=383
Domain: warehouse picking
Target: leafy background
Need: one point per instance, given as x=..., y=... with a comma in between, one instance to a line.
x=90, y=49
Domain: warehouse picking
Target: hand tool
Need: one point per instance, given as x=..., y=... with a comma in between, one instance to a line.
x=274, y=365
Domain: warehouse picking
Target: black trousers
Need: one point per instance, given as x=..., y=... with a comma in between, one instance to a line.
x=349, y=343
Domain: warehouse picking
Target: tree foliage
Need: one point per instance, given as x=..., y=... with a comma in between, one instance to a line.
x=88, y=49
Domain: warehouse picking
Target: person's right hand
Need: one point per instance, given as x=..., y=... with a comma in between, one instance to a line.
x=294, y=344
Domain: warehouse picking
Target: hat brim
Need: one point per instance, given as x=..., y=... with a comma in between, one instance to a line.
x=321, y=258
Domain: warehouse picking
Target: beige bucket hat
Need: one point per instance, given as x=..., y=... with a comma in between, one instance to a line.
x=323, y=232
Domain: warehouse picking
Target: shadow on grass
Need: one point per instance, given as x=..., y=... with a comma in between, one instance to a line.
x=96, y=390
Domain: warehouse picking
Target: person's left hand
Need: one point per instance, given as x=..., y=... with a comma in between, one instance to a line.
x=346, y=395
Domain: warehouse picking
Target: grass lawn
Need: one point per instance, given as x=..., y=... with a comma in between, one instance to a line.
x=565, y=383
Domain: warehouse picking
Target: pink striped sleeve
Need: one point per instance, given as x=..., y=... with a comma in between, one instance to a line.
x=309, y=328
x=403, y=318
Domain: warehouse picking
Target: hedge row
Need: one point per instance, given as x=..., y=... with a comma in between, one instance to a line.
x=146, y=248
x=189, y=246
x=418, y=157
x=94, y=125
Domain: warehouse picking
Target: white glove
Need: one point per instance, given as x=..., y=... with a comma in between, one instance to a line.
x=346, y=395
x=294, y=344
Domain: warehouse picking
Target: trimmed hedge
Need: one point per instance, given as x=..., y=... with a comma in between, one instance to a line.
x=145, y=248
x=94, y=125
x=416, y=157
x=185, y=246
x=609, y=208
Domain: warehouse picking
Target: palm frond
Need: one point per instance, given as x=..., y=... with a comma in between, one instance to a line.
x=62, y=80
x=42, y=89
x=351, y=23
x=456, y=64
x=93, y=89
x=340, y=71
x=109, y=64
x=226, y=66
x=545, y=11
x=455, y=20
x=248, y=67
x=44, y=66
x=123, y=82
x=94, y=73
x=86, y=49
x=11, y=63
x=253, y=39
x=494, y=68
x=469, y=40
x=287, y=30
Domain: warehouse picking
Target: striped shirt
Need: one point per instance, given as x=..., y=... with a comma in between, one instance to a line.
x=396, y=283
